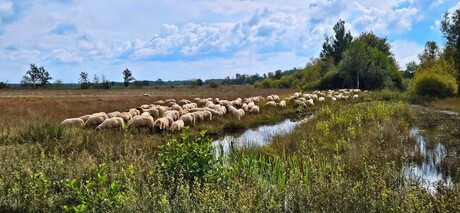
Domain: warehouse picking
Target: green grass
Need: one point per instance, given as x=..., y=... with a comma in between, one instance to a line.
x=348, y=158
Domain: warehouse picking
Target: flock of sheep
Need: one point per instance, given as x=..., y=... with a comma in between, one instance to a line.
x=173, y=115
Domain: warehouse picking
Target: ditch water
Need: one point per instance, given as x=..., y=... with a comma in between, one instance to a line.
x=258, y=136
x=427, y=172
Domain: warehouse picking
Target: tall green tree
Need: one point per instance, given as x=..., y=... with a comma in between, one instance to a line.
x=369, y=64
x=127, y=77
x=450, y=27
x=84, y=81
x=430, y=53
x=36, y=76
x=335, y=46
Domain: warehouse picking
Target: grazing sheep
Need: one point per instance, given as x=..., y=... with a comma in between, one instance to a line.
x=251, y=104
x=145, y=106
x=77, y=122
x=84, y=117
x=238, y=102
x=159, y=102
x=184, y=101
x=145, y=114
x=310, y=102
x=270, y=103
x=176, y=107
x=163, y=123
x=113, y=114
x=209, y=104
x=188, y=119
x=152, y=111
x=207, y=115
x=321, y=99
x=190, y=106
x=355, y=96
x=276, y=97
x=236, y=113
x=254, y=110
x=142, y=121
x=126, y=116
x=146, y=95
x=112, y=123
x=172, y=114
x=269, y=98
x=134, y=112
x=196, y=109
x=300, y=103
x=213, y=111
x=334, y=99
x=282, y=104
x=199, y=115
x=96, y=119
x=245, y=107
x=177, y=125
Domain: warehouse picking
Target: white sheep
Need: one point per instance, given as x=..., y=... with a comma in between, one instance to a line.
x=245, y=107
x=355, y=96
x=270, y=98
x=184, y=101
x=282, y=103
x=84, y=117
x=126, y=116
x=270, y=103
x=176, y=107
x=113, y=114
x=177, y=125
x=142, y=121
x=112, y=123
x=152, y=111
x=310, y=102
x=207, y=115
x=236, y=113
x=159, y=102
x=321, y=99
x=254, y=109
x=276, y=97
x=188, y=119
x=163, y=123
x=198, y=115
x=96, y=119
x=172, y=114
x=77, y=122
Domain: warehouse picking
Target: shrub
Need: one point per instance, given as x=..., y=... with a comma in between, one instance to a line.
x=3, y=85
x=188, y=158
x=435, y=85
x=214, y=84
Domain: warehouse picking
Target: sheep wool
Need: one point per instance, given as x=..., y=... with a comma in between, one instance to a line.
x=77, y=122
x=112, y=123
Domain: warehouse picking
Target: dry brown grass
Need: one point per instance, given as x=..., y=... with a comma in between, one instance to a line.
x=20, y=107
x=452, y=104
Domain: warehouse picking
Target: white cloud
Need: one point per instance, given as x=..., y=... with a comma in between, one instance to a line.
x=64, y=56
x=406, y=51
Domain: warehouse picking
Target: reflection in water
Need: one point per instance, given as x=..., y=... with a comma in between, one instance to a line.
x=258, y=136
x=427, y=172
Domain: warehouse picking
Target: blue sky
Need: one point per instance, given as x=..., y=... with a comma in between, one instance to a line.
x=180, y=40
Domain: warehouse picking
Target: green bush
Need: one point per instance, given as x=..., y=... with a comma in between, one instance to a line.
x=214, y=84
x=435, y=85
x=188, y=158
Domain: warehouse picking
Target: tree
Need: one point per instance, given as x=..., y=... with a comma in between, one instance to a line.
x=369, y=64
x=199, y=82
x=335, y=46
x=95, y=81
x=450, y=27
x=84, y=81
x=430, y=53
x=127, y=77
x=36, y=77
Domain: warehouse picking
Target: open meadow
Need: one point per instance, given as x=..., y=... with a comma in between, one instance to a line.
x=358, y=151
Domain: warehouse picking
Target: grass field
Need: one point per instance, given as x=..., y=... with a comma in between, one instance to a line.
x=347, y=159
